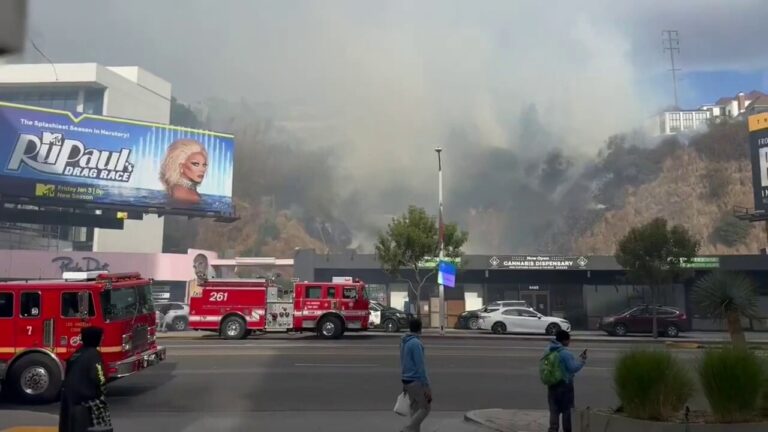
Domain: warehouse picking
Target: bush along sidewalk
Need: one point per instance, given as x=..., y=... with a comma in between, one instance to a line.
x=654, y=388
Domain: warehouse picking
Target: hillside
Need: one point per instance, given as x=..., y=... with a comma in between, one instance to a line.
x=697, y=189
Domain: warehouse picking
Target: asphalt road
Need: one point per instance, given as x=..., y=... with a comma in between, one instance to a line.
x=242, y=382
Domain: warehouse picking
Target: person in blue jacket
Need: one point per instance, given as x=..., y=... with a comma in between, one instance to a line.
x=414, y=376
x=561, y=395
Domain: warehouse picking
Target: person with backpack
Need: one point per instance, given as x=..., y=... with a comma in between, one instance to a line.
x=557, y=370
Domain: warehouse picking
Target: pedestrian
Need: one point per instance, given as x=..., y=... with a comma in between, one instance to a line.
x=83, y=403
x=414, y=376
x=561, y=395
x=161, y=324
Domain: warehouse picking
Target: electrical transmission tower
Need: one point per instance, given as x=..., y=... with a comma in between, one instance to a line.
x=671, y=41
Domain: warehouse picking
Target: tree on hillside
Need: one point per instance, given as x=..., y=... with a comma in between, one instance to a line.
x=730, y=297
x=409, y=240
x=652, y=255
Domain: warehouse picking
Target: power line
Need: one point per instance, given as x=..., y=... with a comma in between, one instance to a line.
x=34, y=45
x=671, y=41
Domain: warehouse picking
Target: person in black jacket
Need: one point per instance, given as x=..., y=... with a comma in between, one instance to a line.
x=83, y=403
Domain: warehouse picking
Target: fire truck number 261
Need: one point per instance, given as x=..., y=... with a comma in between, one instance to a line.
x=218, y=297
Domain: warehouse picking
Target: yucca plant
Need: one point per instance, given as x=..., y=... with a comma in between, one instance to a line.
x=733, y=381
x=652, y=385
x=727, y=296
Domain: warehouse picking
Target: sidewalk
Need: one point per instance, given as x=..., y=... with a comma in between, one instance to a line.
x=474, y=421
x=28, y=421
x=689, y=339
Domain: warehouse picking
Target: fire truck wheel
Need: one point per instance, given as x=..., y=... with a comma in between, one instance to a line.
x=330, y=328
x=35, y=378
x=233, y=328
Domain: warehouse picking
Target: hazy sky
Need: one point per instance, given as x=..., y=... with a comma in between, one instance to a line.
x=398, y=77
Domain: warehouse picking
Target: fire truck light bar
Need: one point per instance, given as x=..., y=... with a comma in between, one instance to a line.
x=82, y=276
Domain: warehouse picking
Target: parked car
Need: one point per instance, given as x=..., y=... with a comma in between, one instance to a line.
x=176, y=315
x=671, y=321
x=521, y=320
x=470, y=319
x=388, y=318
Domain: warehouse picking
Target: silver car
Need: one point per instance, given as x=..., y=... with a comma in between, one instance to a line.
x=175, y=315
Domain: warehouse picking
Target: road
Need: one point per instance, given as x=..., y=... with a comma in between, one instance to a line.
x=325, y=384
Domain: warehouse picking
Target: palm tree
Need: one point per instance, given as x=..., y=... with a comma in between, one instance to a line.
x=730, y=297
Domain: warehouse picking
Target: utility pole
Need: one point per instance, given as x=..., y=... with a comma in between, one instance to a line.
x=441, y=233
x=671, y=41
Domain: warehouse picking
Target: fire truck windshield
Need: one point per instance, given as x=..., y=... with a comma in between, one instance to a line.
x=124, y=303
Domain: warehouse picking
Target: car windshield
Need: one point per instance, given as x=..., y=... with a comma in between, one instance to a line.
x=123, y=303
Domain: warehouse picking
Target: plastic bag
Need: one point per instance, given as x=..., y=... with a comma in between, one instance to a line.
x=403, y=404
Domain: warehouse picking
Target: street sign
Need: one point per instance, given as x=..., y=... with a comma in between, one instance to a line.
x=446, y=274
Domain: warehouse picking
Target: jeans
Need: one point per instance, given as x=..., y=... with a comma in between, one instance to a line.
x=561, y=401
x=420, y=406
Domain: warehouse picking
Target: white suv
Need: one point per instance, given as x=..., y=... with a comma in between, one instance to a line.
x=175, y=315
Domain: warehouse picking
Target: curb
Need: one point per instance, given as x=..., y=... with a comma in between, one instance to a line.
x=471, y=417
x=504, y=423
x=685, y=344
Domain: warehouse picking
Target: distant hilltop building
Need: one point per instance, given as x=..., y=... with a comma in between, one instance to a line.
x=674, y=120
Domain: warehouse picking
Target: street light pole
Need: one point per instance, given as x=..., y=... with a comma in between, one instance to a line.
x=441, y=234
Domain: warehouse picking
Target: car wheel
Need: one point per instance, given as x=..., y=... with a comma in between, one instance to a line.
x=179, y=324
x=620, y=330
x=330, y=328
x=473, y=324
x=390, y=326
x=35, y=378
x=499, y=328
x=672, y=331
x=233, y=328
x=552, y=329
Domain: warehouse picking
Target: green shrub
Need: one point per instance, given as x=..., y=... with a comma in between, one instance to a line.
x=732, y=380
x=652, y=385
x=731, y=231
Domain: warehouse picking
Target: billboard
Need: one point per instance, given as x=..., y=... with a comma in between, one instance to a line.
x=758, y=147
x=59, y=158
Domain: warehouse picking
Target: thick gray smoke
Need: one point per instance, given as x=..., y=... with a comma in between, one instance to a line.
x=520, y=94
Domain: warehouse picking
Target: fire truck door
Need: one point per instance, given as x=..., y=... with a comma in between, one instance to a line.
x=32, y=313
x=349, y=297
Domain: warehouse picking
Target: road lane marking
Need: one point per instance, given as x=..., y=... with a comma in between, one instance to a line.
x=322, y=346
x=334, y=365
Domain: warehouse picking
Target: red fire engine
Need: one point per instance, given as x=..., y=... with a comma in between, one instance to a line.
x=236, y=308
x=40, y=324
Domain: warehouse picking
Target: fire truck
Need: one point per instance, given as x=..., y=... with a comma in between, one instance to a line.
x=236, y=308
x=40, y=324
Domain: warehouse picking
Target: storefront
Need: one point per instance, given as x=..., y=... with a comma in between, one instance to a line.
x=172, y=273
x=578, y=288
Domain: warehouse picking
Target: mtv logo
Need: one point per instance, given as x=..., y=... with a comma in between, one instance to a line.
x=53, y=138
x=44, y=190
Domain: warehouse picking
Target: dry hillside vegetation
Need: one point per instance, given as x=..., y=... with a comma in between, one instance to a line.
x=691, y=191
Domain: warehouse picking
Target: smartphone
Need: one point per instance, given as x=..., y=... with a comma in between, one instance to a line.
x=584, y=353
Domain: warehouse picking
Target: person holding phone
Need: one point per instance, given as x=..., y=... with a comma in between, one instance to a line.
x=561, y=396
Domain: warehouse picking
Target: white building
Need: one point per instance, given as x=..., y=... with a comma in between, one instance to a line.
x=676, y=121
x=736, y=105
x=128, y=92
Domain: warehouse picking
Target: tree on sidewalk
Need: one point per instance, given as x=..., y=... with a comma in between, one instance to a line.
x=409, y=242
x=652, y=254
x=728, y=296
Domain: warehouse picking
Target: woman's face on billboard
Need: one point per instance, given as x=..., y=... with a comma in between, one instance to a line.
x=194, y=167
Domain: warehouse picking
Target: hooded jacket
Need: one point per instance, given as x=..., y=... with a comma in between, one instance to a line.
x=568, y=362
x=412, y=359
